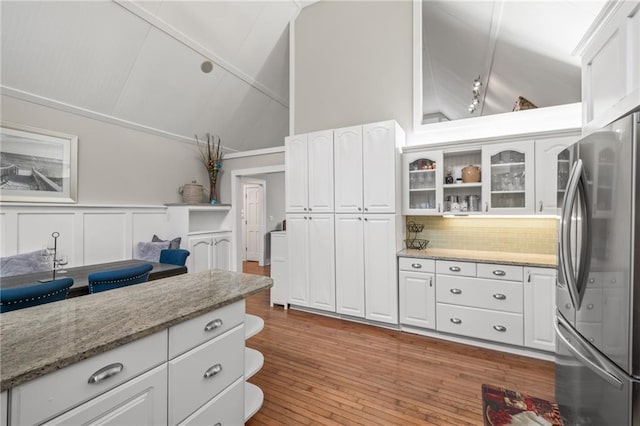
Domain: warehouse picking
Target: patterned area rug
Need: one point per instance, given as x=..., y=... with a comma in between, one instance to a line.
x=502, y=407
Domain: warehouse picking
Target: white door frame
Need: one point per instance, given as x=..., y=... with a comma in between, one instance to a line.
x=263, y=216
x=236, y=196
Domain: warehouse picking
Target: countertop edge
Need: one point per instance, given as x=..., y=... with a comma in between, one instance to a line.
x=501, y=258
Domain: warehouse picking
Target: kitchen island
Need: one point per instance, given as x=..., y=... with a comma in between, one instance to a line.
x=48, y=342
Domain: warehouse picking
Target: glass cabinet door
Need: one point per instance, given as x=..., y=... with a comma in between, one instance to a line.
x=423, y=183
x=510, y=179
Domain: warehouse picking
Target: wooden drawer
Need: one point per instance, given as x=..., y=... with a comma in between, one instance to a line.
x=416, y=265
x=467, y=269
x=189, y=389
x=54, y=393
x=227, y=408
x=480, y=293
x=499, y=272
x=502, y=327
x=189, y=334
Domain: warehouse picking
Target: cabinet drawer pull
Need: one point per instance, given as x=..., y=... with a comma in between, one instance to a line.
x=309, y=208
x=359, y=209
x=456, y=291
x=500, y=328
x=416, y=265
x=499, y=273
x=454, y=268
x=359, y=218
x=212, y=371
x=499, y=296
x=106, y=372
x=212, y=325
x=456, y=320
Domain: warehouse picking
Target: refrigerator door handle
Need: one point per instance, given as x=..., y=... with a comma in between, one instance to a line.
x=565, y=233
x=582, y=352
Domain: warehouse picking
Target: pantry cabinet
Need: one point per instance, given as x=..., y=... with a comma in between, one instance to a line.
x=539, y=308
x=311, y=260
x=309, y=172
x=350, y=265
x=508, y=178
x=611, y=67
x=422, y=183
x=348, y=170
x=552, y=166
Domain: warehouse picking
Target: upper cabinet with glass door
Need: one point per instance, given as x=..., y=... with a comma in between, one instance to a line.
x=508, y=178
x=422, y=183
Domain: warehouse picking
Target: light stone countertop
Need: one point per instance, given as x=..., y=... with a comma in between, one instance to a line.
x=501, y=257
x=42, y=339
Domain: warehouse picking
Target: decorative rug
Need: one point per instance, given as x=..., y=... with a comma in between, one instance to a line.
x=503, y=407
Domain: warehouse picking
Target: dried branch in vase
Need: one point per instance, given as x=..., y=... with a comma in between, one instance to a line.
x=211, y=154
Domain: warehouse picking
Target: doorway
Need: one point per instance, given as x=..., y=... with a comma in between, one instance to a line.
x=253, y=210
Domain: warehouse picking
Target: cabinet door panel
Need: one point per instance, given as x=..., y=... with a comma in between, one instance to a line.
x=222, y=252
x=379, y=165
x=322, y=286
x=295, y=158
x=550, y=172
x=347, y=145
x=350, y=265
x=417, y=299
x=201, y=258
x=381, y=288
x=320, y=179
x=140, y=401
x=539, y=308
x=422, y=183
x=298, y=259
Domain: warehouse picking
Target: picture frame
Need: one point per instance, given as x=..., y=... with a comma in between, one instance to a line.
x=37, y=165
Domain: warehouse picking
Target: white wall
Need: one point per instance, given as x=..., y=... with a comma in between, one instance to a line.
x=275, y=199
x=230, y=164
x=116, y=165
x=353, y=64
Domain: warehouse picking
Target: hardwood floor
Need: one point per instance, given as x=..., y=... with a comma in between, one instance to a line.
x=325, y=371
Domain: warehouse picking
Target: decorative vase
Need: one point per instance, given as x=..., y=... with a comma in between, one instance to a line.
x=213, y=178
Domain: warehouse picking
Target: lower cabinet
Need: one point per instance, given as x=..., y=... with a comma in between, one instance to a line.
x=539, y=308
x=192, y=373
x=209, y=251
x=279, y=294
x=417, y=290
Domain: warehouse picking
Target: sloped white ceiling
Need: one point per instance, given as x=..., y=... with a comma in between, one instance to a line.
x=140, y=62
x=517, y=48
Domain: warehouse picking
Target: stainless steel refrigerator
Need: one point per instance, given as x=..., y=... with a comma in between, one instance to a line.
x=598, y=290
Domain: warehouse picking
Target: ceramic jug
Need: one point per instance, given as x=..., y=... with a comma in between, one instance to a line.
x=471, y=174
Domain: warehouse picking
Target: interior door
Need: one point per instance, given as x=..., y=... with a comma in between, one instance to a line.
x=253, y=212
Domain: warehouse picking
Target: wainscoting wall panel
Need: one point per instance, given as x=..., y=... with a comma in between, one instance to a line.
x=88, y=233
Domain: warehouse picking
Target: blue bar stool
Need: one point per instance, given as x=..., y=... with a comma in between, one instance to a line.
x=174, y=256
x=109, y=280
x=37, y=294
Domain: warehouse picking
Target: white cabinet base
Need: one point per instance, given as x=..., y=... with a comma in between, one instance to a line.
x=253, y=399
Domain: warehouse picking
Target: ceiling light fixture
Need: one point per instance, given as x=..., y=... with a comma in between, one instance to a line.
x=206, y=67
x=475, y=100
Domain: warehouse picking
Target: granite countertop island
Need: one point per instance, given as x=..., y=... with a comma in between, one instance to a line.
x=507, y=258
x=42, y=339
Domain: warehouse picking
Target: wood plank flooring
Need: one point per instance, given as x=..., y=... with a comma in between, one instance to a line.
x=325, y=371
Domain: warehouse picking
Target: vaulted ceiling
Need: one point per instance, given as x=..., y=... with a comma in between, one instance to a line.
x=517, y=48
x=140, y=62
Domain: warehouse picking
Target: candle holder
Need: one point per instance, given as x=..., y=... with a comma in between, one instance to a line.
x=55, y=236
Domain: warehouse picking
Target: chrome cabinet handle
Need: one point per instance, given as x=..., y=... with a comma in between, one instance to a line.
x=499, y=273
x=438, y=207
x=305, y=209
x=212, y=325
x=366, y=209
x=430, y=281
x=500, y=328
x=359, y=209
x=454, y=268
x=212, y=371
x=499, y=296
x=310, y=217
x=105, y=372
x=359, y=218
x=456, y=291
x=540, y=205
x=528, y=276
x=486, y=206
x=416, y=265
x=365, y=219
x=304, y=217
x=456, y=320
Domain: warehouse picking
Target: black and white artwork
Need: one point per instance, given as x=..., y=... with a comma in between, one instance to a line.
x=37, y=165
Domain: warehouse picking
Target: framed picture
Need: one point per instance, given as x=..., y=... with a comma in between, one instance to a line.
x=37, y=165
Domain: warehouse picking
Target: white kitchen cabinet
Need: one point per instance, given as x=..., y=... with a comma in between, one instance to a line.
x=350, y=266
x=227, y=408
x=422, y=183
x=279, y=269
x=348, y=169
x=380, y=272
x=611, y=67
x=140, y=401
x=209, y=251
x=366, y=283
x=539, y=308
x=309, y=172
x=508, y=178
x=552, y=167
x=311, y=260
x=416, y=282
x=4, y=404
x=381, y=166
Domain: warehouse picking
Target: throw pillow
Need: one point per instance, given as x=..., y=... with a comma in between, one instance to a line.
x=173, y=244
x=150, y=252
x=23, y=263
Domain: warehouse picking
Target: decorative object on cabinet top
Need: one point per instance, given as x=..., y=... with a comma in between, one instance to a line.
x=45, y=338
x=506, y=258
x=212, y=155
x=192, y=193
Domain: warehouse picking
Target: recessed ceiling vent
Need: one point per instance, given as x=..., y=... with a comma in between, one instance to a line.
x=206, y=67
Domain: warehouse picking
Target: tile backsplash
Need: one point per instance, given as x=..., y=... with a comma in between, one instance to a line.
x=519, y=235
